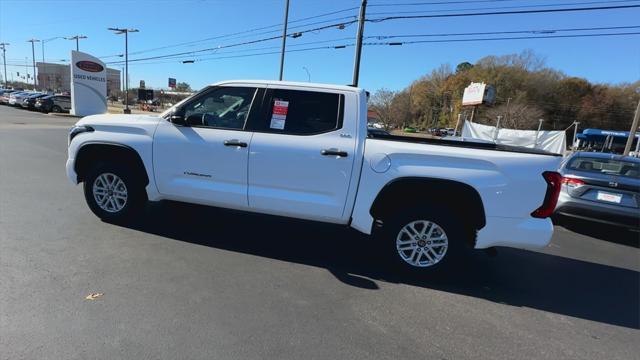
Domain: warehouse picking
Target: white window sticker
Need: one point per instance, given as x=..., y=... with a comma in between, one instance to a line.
x=279, y=114
x=278, y=121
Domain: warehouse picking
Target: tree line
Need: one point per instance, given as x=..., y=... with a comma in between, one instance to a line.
x=526, y=90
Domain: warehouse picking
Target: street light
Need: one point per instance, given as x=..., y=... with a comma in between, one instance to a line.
x=76, y=38
x=33, y=58
x=308, y=73
x=44, y=64
x=4, y=59
x=126, y=32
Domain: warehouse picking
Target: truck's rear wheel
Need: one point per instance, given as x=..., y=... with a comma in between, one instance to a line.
x=112, y=193
x=424, y=240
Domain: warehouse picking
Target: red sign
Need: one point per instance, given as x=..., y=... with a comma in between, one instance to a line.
x=280, y=107
x=89, y=66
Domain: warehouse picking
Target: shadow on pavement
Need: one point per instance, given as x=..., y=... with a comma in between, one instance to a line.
x=516, y=277
x=600, y=231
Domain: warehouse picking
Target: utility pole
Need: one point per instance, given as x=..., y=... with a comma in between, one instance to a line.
x=33, y=58
x=76, y=38
x=632, y=132
x=4, y=59
x=284, y=37
x=356, y=62
x=126, y=63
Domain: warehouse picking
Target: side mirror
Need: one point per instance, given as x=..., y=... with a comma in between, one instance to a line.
x=178, y=120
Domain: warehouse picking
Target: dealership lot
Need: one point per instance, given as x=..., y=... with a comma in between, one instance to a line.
x=191, y=282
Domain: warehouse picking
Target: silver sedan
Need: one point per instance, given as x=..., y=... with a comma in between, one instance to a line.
x=601, y=187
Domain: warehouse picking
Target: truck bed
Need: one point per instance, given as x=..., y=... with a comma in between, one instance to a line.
x=463, y=144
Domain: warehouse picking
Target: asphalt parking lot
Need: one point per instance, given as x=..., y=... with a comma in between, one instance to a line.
x=188, y=282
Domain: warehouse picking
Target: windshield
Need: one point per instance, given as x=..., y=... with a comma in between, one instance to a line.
x=606, y=166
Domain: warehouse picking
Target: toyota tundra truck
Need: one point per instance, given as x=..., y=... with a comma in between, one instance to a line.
x=302, y=150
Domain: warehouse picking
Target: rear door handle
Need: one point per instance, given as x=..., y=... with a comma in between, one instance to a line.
x=334, y=152
x=235, y=142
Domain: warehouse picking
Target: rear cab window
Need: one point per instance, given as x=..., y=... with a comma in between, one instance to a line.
x=300, y=112
x=613, y=167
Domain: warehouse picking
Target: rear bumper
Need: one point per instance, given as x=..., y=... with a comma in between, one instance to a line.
x=527, y=233
x=602, y=213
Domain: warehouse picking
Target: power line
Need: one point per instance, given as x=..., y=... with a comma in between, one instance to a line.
x=238, y=44
x=385, y=19
x=541, y=31
x=249, y=31
x=514, y=12
x=502, y=38
x=250, y=55
x=505, y=7
x=437, y=3
x=341, y=46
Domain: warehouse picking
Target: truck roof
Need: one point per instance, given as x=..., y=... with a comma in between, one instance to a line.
x=294, y=83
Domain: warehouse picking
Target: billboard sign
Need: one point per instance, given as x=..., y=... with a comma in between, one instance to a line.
x=88, y=85
x=172, y=83
x=473, y=94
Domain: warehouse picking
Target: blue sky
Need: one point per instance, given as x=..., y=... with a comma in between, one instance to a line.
x=162, y=23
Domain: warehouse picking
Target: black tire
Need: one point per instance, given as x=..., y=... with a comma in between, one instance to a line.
x=136, y=196
x=458, y=236
x=56, y=109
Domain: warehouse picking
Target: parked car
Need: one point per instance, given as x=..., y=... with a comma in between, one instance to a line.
x=410, y=130
x=601, y=187
x=303, y=152
x=29, y=102
x=53, y=103
x=4, y=96
x=16, y=97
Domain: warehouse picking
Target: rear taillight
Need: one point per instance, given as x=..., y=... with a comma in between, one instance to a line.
x=553, y=180
x=573, y=182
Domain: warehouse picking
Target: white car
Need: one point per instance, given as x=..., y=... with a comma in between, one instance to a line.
x=15, y=98
x=301, y=150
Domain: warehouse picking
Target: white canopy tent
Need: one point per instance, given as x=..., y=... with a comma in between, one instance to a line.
x=552, y=141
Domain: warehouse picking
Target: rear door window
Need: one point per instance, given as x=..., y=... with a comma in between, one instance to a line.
x=298, y=112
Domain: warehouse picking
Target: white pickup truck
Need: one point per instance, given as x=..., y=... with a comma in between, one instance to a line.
x=302, y=150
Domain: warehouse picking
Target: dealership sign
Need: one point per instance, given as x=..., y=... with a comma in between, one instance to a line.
x=172, y=83
x=473, y=94
x=88, y=85
x=478, y=93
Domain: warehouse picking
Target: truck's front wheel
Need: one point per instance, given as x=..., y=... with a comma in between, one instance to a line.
x=112, y=193
x=423, y=240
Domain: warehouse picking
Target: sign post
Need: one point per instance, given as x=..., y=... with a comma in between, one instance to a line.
x=88, y=85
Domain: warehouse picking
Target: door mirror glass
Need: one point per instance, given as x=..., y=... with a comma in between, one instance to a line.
x=178, y=119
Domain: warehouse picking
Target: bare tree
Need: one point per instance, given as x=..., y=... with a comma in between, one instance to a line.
x=382, y=103
x=517, y=115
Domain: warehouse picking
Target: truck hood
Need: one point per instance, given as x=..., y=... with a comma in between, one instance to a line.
x=122, y=123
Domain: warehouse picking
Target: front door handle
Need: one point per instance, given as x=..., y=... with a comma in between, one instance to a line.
x=334, y=152
x=235, y=142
